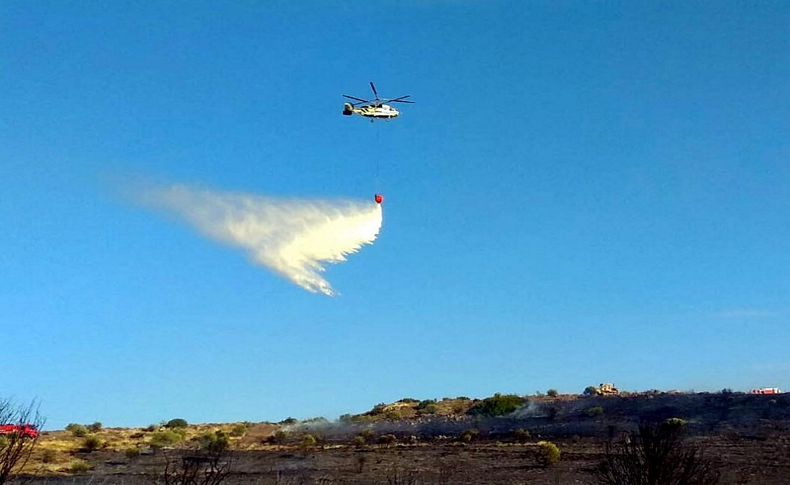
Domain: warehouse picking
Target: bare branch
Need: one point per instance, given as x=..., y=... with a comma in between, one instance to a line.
x=19, y=431
x=657, y=455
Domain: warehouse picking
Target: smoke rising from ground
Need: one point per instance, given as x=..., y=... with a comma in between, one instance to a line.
x=295, y=238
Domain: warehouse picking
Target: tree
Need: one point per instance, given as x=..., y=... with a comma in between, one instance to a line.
x=17, y=446
x=176, y=423
x=552, y=393
x=657, y=455
x=590, y=391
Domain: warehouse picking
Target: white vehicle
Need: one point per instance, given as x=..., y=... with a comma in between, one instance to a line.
x=373, y=109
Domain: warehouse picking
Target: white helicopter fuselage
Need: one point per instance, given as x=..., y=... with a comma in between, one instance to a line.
x=382, y=111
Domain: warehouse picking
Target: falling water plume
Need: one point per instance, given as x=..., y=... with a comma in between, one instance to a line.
x=295, y=238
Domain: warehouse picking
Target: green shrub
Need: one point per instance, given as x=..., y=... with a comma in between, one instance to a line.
x=548, y=453
x=279, y=437
x=151, y=428
x=675, y=422
x=409, y=400
x=497, y=405
x=552, y=393
x=91, y=443
x=77, y=430
x=522, y=435
x=429, y=409
x=216, y=442
x=590, y=391
x=289, y=420
x=594, y=412
x=469, y=435
x=165, y=438
x=131, y=452
x=176, y=423
x=308, y=441
x=238, y=431
x=95, y=427
x=48, y=456
x=79, y=466
x=427, y=406
x=359, y=441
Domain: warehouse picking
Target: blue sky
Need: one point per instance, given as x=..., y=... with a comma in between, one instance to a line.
x=584, y=192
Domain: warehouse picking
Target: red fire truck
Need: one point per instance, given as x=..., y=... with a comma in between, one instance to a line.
x=766, y=391
x=23, y=430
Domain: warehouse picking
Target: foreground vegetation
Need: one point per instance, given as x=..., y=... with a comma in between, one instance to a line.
x=540, y=435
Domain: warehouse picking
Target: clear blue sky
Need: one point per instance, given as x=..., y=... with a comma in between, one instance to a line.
x=584, y=192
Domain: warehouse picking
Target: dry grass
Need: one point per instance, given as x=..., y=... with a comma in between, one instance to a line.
x=61, y=449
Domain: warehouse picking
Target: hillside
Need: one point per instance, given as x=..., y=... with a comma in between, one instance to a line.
x=748, y=434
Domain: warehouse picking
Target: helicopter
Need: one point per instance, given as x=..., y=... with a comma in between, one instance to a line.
x=373, y=109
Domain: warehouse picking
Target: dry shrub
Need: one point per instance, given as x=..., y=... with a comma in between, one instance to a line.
x=91, y=444
x=657, y=455
x=469, y=435
x=521, y=435
x=387, y=439
x=548, y=454
x=79, y=466
x=49, y=456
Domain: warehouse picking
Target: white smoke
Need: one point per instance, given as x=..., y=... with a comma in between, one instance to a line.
x=295, y=238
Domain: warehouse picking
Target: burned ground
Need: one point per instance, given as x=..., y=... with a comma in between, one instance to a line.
x=748, y=438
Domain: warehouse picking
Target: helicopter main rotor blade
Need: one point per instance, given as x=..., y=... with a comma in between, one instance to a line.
x=374, y=89
x=399, y=100
x=357, y=99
